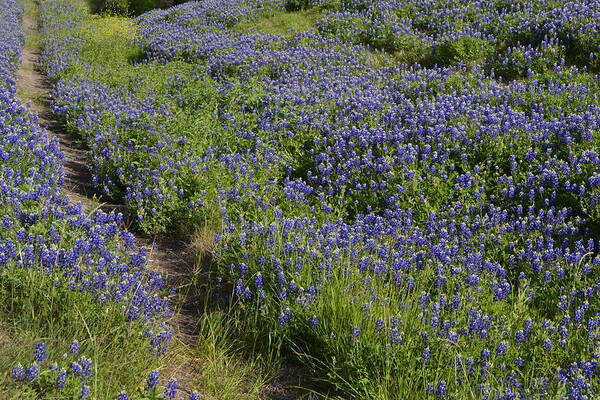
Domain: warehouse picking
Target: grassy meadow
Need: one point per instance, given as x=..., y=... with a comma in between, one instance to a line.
x=401, y=199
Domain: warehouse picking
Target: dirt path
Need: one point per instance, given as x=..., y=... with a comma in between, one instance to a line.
x=33, y=85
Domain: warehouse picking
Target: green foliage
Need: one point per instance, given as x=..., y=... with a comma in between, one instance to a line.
x=283, y=23
x=116, y=7
x=35, y=307
x=139, y=7
x=467, y=49
x=584, y=50
x=111, y=7
x=129, y=7
x=295, y=5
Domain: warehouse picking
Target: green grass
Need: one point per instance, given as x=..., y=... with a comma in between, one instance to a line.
x=34, y=309
x=215, y=366
x=220, y=363
x=283, y=23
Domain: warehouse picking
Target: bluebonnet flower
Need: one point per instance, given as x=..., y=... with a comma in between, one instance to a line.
x=314, y=321
x=258, y=282
x=152, y=380
x=85, y=392
x=32, y=372
x=485, y=354
x=285, y=317
x=61, y=378
x=74, y=348
x=519, y=362
x=39, y=353
x=82, y=368
x=501, y=349
x=441, y=390
x=171, y=389
x=426, y=356
x=18, y=373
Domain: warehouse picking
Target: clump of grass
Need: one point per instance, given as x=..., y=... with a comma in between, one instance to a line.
x=283, y=23
x=465, y=50
x=218, y=365
x=35, y=308
x=110, y=41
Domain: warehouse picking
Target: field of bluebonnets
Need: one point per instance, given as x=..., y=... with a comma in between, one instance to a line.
x=64, y=274
x=404, y=198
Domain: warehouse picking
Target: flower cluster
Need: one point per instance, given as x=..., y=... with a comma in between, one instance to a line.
x=72, y=375
x=62, y=377
x=517, y=38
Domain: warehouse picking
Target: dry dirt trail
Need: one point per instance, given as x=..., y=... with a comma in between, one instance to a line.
x=33, y=85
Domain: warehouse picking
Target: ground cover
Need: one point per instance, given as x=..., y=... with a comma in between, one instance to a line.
x=405, y=231
x=71, y=282
x=513, y=38
x=202, y=355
